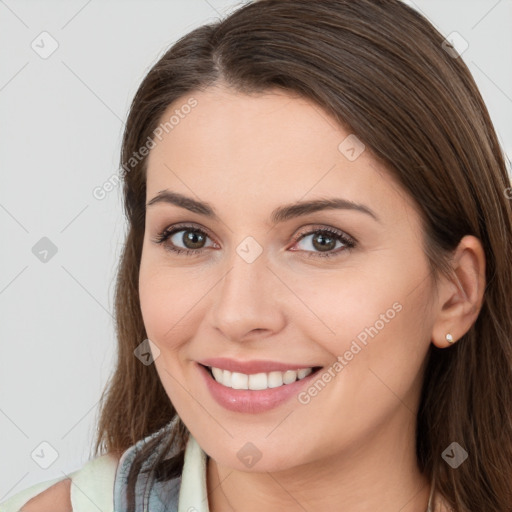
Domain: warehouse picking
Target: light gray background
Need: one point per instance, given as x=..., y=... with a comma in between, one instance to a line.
x=62, y=120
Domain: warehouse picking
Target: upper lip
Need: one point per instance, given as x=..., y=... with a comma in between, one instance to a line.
x=250, y=367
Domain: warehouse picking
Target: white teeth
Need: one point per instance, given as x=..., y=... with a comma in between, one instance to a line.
x=226, y=377
x=275, y=379
x=217, y=373
x=239, y=380
x=304, y=372
x=258, y=381
x=289, y=376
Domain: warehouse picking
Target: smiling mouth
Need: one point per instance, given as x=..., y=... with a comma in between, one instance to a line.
x=258, y=381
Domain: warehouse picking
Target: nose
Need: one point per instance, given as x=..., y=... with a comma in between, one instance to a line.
x=249, y=301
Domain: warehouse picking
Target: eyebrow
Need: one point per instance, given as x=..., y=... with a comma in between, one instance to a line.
x=280, y=214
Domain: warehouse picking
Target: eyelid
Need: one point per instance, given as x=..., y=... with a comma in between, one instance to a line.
x=306, y=230
x=314, y=228
x=347, y=240
x=182, y=226
x=164, y=234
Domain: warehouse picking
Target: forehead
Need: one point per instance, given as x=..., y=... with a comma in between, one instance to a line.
x=273, y=145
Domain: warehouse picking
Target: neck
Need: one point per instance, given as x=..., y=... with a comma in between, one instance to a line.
x=380, y=473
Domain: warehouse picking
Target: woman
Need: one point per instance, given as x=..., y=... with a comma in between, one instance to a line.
x=313, y=299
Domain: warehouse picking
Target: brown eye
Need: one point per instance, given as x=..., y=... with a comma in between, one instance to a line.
x=323, y=242
x=192, y=239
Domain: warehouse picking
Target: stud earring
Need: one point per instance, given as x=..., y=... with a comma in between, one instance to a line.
x=449, y=338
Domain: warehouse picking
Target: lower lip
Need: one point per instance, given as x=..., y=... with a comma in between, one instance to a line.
x=247, y=400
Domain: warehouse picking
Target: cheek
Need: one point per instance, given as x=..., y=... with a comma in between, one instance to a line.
x=379, y=343
x=170, y=318
x=375, y=321
x=164, y=313
x=155, y=303
x=172, y=308
x=343, y=305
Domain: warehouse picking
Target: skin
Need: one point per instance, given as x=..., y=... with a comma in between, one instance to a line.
x=352, y=445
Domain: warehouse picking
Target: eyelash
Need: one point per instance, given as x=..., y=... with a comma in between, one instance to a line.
x=349, y=242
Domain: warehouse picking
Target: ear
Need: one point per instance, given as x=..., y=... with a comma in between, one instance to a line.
x=460, y=298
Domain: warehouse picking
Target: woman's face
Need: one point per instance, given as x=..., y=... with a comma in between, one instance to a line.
x=257, y=285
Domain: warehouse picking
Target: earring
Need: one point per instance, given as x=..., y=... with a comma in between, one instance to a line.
x=449, y=338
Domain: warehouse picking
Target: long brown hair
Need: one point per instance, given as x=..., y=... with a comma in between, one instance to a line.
x=381, y=70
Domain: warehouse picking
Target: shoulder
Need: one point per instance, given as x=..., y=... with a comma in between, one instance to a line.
x=57, y=498
x=94, y=482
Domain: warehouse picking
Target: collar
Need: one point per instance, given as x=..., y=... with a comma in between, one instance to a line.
x=193, y=494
